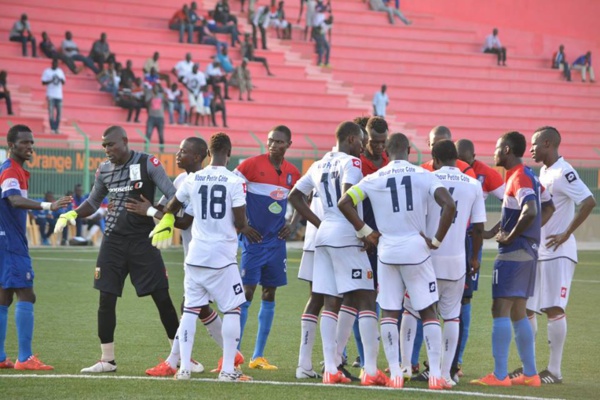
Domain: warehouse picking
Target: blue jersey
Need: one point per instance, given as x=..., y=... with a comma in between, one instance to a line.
x=268, y=190
x=14, y=180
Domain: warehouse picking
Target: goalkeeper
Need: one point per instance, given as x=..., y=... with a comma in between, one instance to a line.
x=126, y=248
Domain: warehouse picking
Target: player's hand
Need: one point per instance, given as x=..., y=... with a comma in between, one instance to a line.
x=474, y=263
x=162, y=234
x=63, y=219
x=138, y=207
x=428, y=241
x=556, y=240
x=61, y=203
x=285, y=232
x=371, y=241
x=252, y=234
x=503, y=237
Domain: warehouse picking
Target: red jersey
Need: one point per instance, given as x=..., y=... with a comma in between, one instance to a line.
x=368, y=167
x=491, y=180
x=463, y=166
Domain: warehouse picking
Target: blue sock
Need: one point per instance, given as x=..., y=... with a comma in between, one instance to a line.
x=359, y=345
x=465, y=315
x=501, y=336
x=418, y=343
x=3, y=325
x=525, y=345
x=243, y=318
x=24, y=322
x=265, y=320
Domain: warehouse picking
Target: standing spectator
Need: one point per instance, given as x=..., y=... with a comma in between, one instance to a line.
x=241, y=79
x=21, y=32
x=194, y=83
x=323, y=47
x=380, y=5
x=380, y=102
x=584, y=63
x=214, y=76
x=226, y=29
x=180, y=22
x=5, y=93
x=50, y=51
x=222, y=13
x=248, y=53
x=127, y=73
x=260, y=22
x=559, y=61
x=205, y=36
x=183, y=67
x=218, y=104
x=310, y=16
x=156, y=103
x=493, y=45
x=153, y=63
x=70, y=50
x=224, y=60
x=54, y=79
x=100, y=52
x=175, y=103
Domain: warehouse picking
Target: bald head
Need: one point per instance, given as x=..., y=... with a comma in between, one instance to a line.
x=116, y=132
x=549, y=135
x=398, y=146
x=466, y=151
x=438, y=133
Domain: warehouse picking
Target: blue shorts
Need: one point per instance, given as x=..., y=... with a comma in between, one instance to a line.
x=514, y=274
x=471, y=281
x=264, y=264
x=16, y=271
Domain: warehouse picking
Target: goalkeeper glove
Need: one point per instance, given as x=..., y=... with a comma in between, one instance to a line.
x=63, y=219
x=162, y=234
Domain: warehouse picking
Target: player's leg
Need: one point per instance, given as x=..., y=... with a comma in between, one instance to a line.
x=252, y=261
x=6, y=299
x=449, y=307
x=525, y=342
x=213, y=324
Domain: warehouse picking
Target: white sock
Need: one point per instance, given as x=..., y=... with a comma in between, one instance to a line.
x=367, y=324
x=108, y=351
x=307, y=340
x=173, y=358
x=346, y=319
x=449, y=343
x=557, y=335
x=214, y=326
x=408, y=330
x=329, y=321
x=389, y=337
x=231, y=338
x=432, y=333
x=187, y=330
x=533, y=323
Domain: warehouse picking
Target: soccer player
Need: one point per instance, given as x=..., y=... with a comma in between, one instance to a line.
x=16, y=270
x=217, y=198
x=525, y=206
x=125, y=248
x=558, y=249
x=399, y=194
x=345, y=277
x=436, y=134
x=269, y=178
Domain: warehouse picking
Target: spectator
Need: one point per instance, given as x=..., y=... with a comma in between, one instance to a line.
x=127, y=73
x=153, y=63
x=183, y=67
x=242, y=80
x=559, y=61
x=205, y=36
x=70, y=50
x=260, y=22
x=78, y=199
x=323, y=47
x=224, y=60
x=46, y=220
x=108, y=80
x=21, y=32
x=218, y=104
x=151, y=79
x=193, y=16
x=54, y=79
x=156, y=103
x=180, y=22
x=194, y=83
x=222, y=13
x=248, y=53
x=380, y=102
x=175, y=103
x=214, y=76
x=203, y=107
x=100, y=52
x=584, y=63
x=380, y=5
x=50, y=51
x=310, y=16
x=5, y=93
x=226, y=29
x=493, y=45
x=128, y=100
x=283, y=28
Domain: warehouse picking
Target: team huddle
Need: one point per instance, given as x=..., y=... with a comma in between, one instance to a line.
x=392, y=250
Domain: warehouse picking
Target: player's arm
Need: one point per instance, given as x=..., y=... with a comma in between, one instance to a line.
x=298, y=200
x=477, y=237
x=585, y=209
x=144, y=208
x=526, y=218
x=159, y=177
x=18, y=201
x=347, y=205
x=492, y=232
x=547, y=211
x=240, y=222
x=444, y=199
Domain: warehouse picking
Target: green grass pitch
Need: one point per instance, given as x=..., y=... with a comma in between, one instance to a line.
x=65, y=336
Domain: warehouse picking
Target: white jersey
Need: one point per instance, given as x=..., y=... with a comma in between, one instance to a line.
x=399, y=193
x=55, y=77
x=567, y=189
x=328, y=176
x=212, y=193
x=194, y=82
x=186, y=234
x=449, y=258
x=311, y=231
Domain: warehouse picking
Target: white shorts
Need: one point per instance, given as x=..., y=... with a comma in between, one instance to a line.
x=224, y=286
x=341, y=270
x=306, y=266
x=450, y=294
x=412, y=284
x=195, y=101
x=552, y=284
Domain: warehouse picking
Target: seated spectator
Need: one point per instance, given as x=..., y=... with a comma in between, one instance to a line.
x=493, y=45
x=70, y=50
x=584, y=64
x=127, y=73
x=226, y=29
x=248, y=53
x=46, y=220
x=193, y=16
x=50, y=51
x=21, y=32
x=241, y=79
x=559, y=61
x=214, y=76
x=5, y=93
x=260, y=22
x=175, y=99
x=322, y=31
x=205, y=36
x=194, y=83
x=108, y=80
x=151, y=79
x=283, y=28
x=156, y=102
x=153, y=63
x=180, y=22
x=203, y=108
x=183, y=67
x=100, y=52
x=128, y=100
x=224, y=60
x=218, y=104
x=380, y=5
x=78, y=199
x=222, y=13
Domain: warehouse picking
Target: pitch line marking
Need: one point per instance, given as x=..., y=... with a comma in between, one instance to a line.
x=277, y=383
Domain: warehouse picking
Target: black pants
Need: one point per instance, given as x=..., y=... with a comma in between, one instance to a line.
x=566, y=70
x=100, y=59
x=214, y=108
x=8, y=102
x=66, y=60
x=215, y=80
x=24, y=39
x=262, y=60
x=263, y=36
x=501, y=52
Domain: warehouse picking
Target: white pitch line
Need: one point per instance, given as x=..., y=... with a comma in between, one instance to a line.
x=277, y=383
